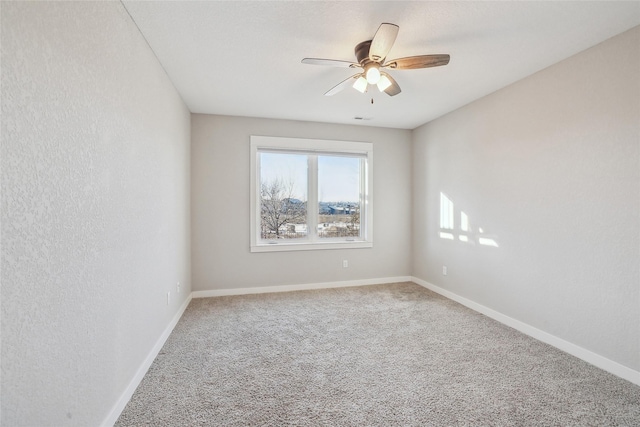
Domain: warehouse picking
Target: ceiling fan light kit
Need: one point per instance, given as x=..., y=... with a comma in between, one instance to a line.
x=371, y=55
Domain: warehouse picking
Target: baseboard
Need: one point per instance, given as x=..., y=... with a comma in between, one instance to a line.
x=142, y=370
x=303, y=287
x=574, y=350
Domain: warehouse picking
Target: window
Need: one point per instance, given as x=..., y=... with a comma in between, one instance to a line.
x=310, y=194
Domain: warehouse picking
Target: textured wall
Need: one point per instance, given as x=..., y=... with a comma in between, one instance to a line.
x=95, y=208
x=220, y=208
x=550, y=169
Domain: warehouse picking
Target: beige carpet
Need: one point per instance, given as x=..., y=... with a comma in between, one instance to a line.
x=388, y=355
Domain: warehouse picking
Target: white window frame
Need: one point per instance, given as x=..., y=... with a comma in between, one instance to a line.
x=311, y=147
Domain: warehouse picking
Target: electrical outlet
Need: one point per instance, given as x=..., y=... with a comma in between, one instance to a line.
x=168, y=297
x=444, y=270
x=345, y=263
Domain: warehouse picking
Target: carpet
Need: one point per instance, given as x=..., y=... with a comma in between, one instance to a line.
x=384, y=355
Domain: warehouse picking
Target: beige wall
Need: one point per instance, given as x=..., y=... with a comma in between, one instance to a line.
x=220, y=208
x=95, y=209
x=550, y=168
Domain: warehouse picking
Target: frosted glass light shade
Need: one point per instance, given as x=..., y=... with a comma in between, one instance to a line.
x=383, y=83
x=373, y=75
x=361, y=84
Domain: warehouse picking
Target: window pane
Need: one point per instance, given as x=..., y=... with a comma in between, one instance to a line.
x=339, y=196
x=283, y=196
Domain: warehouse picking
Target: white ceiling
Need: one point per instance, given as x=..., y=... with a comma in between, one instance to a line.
x=243, y=58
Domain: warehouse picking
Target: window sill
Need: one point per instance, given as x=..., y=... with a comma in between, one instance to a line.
x=282, y=247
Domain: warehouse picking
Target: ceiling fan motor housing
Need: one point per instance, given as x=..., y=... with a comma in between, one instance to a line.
x=362, y=52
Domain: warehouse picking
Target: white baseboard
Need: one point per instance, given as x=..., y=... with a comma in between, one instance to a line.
x=304, y=287
x=574, y=350
x=142, y=370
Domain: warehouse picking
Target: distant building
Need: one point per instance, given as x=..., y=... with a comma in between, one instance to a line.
x=343, y=210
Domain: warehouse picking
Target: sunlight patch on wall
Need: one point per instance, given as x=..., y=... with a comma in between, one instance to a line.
x=487, y=242
x=464, y=221
x=446, y=212
x=466, y=235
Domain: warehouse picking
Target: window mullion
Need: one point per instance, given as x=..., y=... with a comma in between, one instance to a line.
x=363, y=198
x=312, y=198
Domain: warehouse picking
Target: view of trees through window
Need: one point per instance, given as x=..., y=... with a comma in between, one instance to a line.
x=284, y=191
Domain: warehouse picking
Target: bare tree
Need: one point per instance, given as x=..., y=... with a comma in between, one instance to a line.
x=355, y=222
x=279, y=208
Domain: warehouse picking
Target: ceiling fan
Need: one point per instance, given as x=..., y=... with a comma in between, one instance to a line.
x=371, y=55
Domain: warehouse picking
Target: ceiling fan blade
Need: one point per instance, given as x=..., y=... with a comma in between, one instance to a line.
x=383, y=41
x=338, y=88
x=330, y=62
x=421, y=61
x=394, y=88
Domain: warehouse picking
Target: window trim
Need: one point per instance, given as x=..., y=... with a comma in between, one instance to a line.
x=319, y=147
